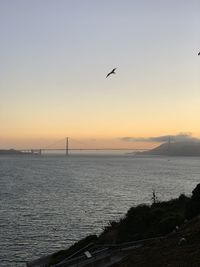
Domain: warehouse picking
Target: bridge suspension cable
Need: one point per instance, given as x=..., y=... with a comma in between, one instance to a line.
x=84, y=144
x=52, y=145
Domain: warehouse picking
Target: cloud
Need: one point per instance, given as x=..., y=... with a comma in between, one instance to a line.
x=163, y=138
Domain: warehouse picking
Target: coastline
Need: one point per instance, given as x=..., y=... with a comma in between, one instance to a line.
x=135, y=238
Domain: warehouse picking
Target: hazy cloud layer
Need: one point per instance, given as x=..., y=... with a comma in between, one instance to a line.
x=163, y=138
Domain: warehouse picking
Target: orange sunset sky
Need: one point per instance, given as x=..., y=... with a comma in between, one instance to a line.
x=54, y=57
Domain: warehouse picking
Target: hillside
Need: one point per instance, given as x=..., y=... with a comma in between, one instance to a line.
x=169, y=251
x=175, y=149
x=164, y=233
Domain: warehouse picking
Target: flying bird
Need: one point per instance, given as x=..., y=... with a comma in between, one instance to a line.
x=112, y=72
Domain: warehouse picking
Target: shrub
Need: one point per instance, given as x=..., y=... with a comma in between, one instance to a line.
x=169, y=223
x=135, y=223
x=193, y=206
x=196, y=193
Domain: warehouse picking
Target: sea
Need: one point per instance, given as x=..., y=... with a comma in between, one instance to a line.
x=49, y=202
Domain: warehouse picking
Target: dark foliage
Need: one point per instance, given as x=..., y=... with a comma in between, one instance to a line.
x=145, y=221
x=168, y=223
x=196, y=193
x=141, y=222
x=134, y=224
x=193, y=206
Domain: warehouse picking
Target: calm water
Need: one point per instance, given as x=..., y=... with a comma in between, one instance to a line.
x=48, y=202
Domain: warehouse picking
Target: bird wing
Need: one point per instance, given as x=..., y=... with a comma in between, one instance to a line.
x=113, y=71
x=199, y=54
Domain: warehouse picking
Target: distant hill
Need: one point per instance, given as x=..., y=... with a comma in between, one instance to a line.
x=10, y=152
x=175, y=149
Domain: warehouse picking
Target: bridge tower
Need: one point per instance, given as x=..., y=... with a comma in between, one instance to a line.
x=169, y=144
x=67, y=146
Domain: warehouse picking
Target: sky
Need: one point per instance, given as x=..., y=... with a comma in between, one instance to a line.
x=55, y=55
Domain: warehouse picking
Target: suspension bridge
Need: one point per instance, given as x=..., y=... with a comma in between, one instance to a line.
x=66, y=148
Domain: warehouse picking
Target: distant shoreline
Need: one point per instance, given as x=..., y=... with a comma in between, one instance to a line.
x=180, y=149
x=10, y=152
